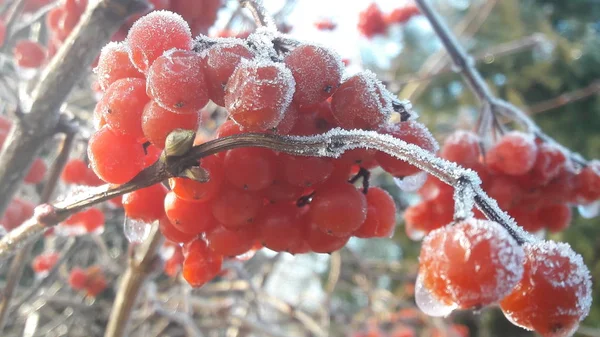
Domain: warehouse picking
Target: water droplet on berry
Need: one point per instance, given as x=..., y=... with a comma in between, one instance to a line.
x=136, y=231
x=411, y=183
x=429, y=304
x=590, y=210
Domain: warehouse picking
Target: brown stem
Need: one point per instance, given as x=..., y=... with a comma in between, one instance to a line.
x=330, y=144
x=131, y=284
x=69, y=65
x=20, y=260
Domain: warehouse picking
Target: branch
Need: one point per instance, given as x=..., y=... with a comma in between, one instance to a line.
x=330, y=144
x=259, y=13
x=131, y=284
x=18, y=263
x=566, y=98
x=11, y=19
x=471, y=75
x=69, y=65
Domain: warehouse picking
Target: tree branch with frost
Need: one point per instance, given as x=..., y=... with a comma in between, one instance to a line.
x=490, y=103
x=331, y=144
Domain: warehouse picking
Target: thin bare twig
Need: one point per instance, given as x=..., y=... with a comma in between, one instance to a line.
x=566, y=98
x=11, y=19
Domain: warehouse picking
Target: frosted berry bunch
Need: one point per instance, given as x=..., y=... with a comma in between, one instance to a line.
x=536, y=182
x=157, y=82
x=156, y=85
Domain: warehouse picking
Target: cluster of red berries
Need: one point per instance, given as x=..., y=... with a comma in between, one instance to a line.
x=542, y=286
x=42, y=263
x=534, y=182
x=155, y=83
x=373, y=21
x=91, y=280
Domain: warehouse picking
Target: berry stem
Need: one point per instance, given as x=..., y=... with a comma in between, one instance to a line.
x=18, y=263
x=39, y=122
x=465, y=64
x=330, y=144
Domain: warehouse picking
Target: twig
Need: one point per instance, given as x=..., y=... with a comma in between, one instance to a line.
x=259, y=13
x=25, y=140
x=492, y=53
x=471, y=75
x=11, y=19
x=330, y=144
x=18, y=263
x=566, y=98
x=140, y=266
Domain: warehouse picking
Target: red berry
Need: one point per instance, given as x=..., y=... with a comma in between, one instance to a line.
x=371, y=21
x=305, y=171
x=201, y=264
x=115, y=158
x=317, y=72
x=471, y=264
x=77, y=278
x=279, y=227
x=339, y=209
x=554, y=294
x=514, y=154
x=173, y=234
x=555, y=217
x=154, y=34
x=29, y=54
x=75, y=172
x=361, y=102
x=145, y=204
x=196, y=191
x=321, y=242
x=587, y=183
x=176, y=82
x=381, y=215
x=123, y=104
x=250, y=169
x=411, y=132
x=114, y=64
x=227, y=242
x=258, y=93
x=158, y=123
x=189, y=217
x=221, y=60
x=44, y=262
x=462, y=147
x=236, y=209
